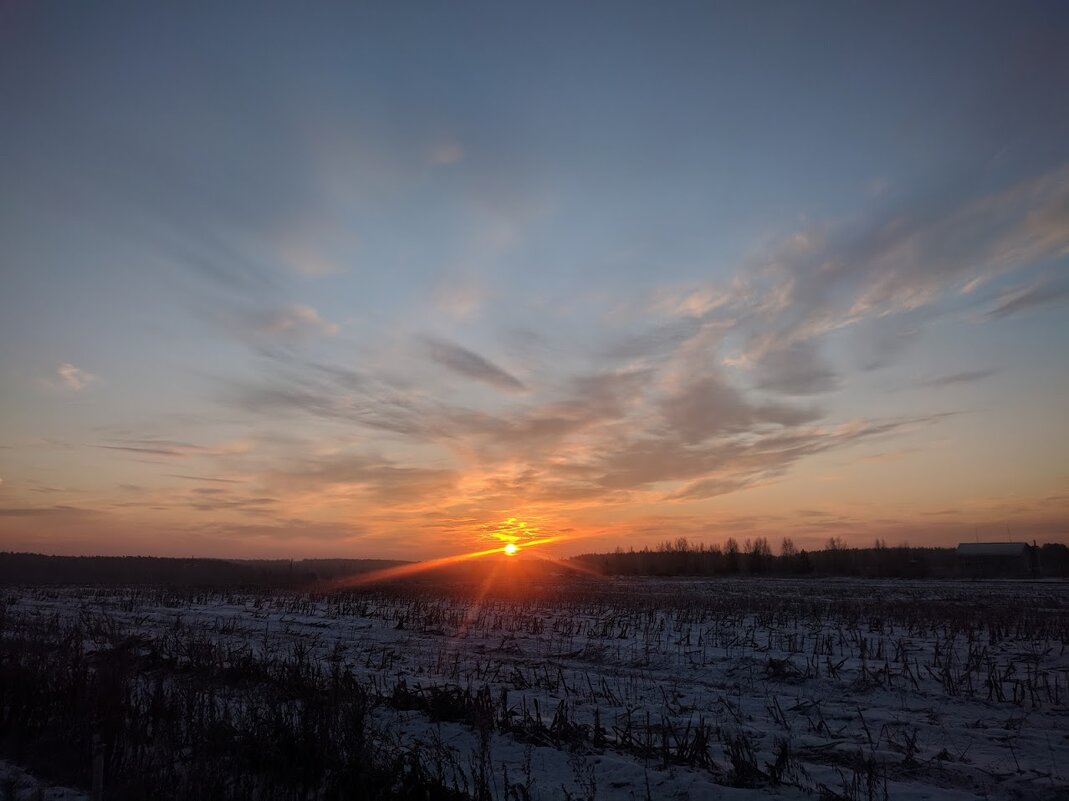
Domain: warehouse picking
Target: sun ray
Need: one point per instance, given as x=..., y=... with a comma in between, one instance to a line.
x=404, y=571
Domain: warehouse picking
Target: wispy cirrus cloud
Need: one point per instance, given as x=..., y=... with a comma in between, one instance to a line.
x=210, y=479
x=60, y=510
x=74, y=378
x=798, y=369
x=892, y=262
x=706, y=406
x=670, y=432
x=288, y=324
x=1045, y=293
x=360, y=475
x=470, y=364
x=176, y=450
x=964, y=377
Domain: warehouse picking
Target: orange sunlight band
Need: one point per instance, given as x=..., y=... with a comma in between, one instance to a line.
x=402, y=571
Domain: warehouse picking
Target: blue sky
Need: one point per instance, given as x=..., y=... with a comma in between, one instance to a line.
x=316, y=280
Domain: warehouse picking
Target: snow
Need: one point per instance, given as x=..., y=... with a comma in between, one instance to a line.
x=948, y=690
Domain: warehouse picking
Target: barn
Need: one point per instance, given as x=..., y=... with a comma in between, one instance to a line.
x=997, y=560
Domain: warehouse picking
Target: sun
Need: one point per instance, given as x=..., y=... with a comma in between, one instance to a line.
x=511, y=549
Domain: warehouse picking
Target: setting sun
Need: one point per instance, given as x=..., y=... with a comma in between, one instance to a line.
x=511, y=549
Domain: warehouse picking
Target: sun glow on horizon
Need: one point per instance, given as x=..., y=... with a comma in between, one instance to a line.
x=414, y=568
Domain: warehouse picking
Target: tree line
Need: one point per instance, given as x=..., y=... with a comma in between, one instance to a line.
x=681, y=557
x=33, y=568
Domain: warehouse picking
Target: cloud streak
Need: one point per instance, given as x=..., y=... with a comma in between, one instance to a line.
x=1045, y=294
x=888, y=263
x=171, y=449
x=964, y=377
x=469, y=364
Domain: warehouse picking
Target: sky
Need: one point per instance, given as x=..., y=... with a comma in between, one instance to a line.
x=411, y=279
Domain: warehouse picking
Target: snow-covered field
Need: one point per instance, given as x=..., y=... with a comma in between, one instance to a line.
x=663, y=688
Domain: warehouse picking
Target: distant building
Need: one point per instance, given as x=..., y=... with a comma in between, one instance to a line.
x=997, y=560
